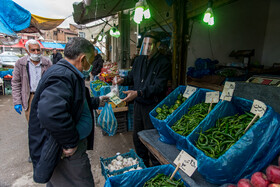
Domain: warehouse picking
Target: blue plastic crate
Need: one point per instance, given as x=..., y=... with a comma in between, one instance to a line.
x=181, y=141
x=106, y=161
x=93, y=85
x=160, y=125
x=107, y=89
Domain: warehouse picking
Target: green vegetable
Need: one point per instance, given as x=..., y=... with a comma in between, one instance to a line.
x=162, y=180
x=189, y=121
x=215, y=141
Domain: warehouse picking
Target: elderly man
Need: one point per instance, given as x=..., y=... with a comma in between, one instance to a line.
x=26, y=76
x=61, y=120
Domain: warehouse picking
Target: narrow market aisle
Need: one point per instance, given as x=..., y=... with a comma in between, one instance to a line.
x=16, y=171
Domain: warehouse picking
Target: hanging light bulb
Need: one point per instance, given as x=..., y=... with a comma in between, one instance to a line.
x=99, y=37
x=139, y=10
x=208, y=15
x=147, y=13
x=115, y=32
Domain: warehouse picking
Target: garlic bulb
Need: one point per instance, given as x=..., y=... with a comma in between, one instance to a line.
x=119, y=158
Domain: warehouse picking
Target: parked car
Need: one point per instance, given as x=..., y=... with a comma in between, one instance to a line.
x=8, y=61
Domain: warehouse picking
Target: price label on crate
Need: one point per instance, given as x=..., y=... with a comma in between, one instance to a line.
x=258, y=108
x=212, y=97
x=189, y=91
x=114, y=98
x=187, y=163
x=228, y=91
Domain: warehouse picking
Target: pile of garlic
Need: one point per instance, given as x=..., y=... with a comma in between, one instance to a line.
x=120, y=163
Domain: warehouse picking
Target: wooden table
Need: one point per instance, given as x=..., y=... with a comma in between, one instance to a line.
x=166, y=154
x=118, y=109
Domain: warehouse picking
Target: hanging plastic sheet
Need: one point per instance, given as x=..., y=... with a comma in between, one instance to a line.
x=252, y=152
x=139, y=177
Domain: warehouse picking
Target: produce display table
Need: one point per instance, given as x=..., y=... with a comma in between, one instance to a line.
x=166, y=154
x=119, y=109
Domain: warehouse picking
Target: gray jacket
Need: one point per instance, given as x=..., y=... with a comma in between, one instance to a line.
x=21, y=83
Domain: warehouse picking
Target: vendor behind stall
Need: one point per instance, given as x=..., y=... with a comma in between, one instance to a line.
x=149, y=76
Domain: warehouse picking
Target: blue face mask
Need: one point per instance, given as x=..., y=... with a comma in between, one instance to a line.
x=87, y=72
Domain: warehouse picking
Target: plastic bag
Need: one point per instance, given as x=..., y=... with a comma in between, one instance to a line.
x=138, y=178
x=252, y=152
x=160, y=125
x=181, y=141
x=107, y=120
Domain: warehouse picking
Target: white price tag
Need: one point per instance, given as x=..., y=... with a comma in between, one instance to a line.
x=212, y=97
x=189, y=91
x=258, y=107
x=114, y=98
x=228, y=91
x=188, y=163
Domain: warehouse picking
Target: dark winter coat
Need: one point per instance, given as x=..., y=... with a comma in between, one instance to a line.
x=150, y=77
x=97, y=65
x=57, y=57
x=55, y=111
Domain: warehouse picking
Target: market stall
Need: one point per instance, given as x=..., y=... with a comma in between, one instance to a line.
x=253, y=150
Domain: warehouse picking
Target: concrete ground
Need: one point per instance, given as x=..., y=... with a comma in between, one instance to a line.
x=14, y=168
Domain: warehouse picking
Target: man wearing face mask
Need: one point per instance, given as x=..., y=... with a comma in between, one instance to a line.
x=27, y=73
x=149, y=76
x=61, y=120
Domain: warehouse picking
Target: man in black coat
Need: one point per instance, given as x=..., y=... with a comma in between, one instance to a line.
x=56, y=56
x=61, y=120
x=149, y=76
x=97, y=64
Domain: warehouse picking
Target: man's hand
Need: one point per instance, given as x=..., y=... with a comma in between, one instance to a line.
x=103, y=100
x=131, y=95
x=117, y=81
x=69, y=152
x=18, y=108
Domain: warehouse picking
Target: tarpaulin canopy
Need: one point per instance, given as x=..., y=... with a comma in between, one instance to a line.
x=21, y=44
x=51, y=45
x=13, y=18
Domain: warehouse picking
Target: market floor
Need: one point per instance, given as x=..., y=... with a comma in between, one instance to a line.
x=14, y=168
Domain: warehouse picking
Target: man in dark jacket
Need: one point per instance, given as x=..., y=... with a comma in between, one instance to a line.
x=97, y=64
x=61, y=120
x=56, y=56
x=149, y=76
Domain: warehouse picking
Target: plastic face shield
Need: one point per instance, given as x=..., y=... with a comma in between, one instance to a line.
x=148, y=46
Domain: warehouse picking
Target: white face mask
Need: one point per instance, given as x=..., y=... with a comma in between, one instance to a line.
x=35, y=57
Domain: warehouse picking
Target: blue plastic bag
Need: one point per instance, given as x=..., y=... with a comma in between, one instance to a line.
x=160, y=125
x=180, y=140
x=252, y=152
x=107, y=120
x=139, y=177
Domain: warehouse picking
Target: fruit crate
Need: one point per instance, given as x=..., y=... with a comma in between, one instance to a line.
x=106, y=161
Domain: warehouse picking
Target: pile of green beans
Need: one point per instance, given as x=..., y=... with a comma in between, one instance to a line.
x=189, y=121
x=164, y=181
x=215, y=141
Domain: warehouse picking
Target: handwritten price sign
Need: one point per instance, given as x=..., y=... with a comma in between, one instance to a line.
x=228, y=91
x=187, y=163
x=258, y=108
x=189, y=91
x=212, y=97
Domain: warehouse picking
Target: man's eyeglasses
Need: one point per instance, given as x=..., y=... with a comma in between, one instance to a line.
x=33, y=50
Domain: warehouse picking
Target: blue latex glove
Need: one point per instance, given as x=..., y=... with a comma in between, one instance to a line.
x=18, y=108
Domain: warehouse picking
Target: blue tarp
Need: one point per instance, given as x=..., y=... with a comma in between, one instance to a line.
x=53, y=45
x=13, y=18
x=251, y=153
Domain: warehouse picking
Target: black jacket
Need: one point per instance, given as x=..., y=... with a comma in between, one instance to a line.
x=55, y=111
x=97, y=65
x=150, y=77
x=57, y=57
